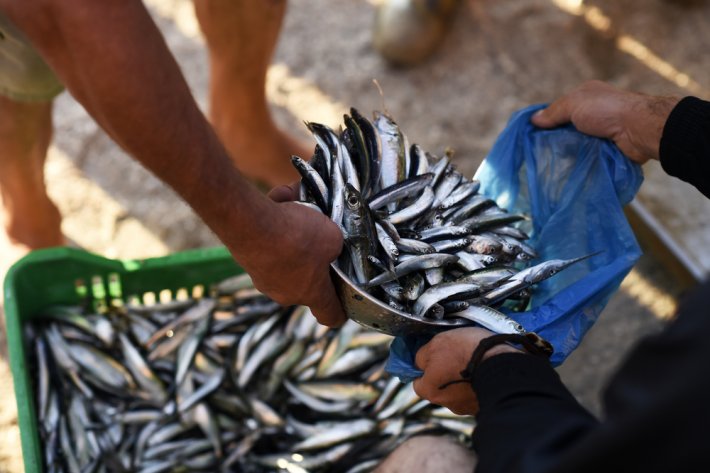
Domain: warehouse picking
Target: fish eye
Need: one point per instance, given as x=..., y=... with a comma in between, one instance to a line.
x=518, y=327
x=352, y=200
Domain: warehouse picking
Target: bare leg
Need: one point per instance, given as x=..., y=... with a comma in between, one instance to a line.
x=429, y=454
x=241, y=36
x=30, y=218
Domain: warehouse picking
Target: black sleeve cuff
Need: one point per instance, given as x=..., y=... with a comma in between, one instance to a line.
x=508, y=374
x=685, y=144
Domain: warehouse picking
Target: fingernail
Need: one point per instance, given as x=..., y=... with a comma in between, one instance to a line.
x=538, y=113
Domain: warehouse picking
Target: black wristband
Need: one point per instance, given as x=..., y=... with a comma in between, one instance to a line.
x=530, y=341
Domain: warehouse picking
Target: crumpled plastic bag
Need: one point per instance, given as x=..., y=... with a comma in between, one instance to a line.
x=573, y=186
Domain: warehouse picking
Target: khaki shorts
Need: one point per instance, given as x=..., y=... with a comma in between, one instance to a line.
x=24, y=76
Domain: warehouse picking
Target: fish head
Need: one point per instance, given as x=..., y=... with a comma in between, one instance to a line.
x=489, y=259
x=383, y=122
x=438, y=219
x=357, y=220
x=353, y=199
x=552, y=267
x=516, y=327
x=547, y=270
x=522, y=256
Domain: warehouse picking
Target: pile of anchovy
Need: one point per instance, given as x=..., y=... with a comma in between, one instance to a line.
x=228, y=382
x=418, y=235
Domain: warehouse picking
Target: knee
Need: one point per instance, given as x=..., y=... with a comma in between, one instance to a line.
x=429, y=454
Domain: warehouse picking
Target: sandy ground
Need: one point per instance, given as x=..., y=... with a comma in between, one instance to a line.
x=500, y=56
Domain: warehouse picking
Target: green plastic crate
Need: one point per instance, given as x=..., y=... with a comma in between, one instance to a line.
x=46, y=277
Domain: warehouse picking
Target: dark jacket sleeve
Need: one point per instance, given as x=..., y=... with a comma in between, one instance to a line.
x=656, y=409
x=685, y=145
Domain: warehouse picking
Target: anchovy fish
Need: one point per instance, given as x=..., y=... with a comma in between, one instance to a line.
x=490, y=318
x=185, y=409
x=393, y=150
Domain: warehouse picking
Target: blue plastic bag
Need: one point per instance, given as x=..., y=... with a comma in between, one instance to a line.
x=573, y=186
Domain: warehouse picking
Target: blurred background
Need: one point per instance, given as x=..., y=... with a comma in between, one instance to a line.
x=498, y=57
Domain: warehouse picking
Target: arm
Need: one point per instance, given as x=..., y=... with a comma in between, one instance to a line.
x=674, y=131
x=656, y=412
x=633, y=121
x=112, y=58
x=525, y=415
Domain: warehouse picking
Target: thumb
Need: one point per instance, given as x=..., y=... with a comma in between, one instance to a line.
x=556, y=114
x=421, y=359
x=329, y=311
x=285, y=193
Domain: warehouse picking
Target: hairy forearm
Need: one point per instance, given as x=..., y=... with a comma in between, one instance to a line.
x=112, y=58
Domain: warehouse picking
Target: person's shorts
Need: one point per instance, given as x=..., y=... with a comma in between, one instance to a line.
x=24, y=76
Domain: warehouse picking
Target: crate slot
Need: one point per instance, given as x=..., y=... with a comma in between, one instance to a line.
x=149, y=298
x=165, y=296
x=198, y=291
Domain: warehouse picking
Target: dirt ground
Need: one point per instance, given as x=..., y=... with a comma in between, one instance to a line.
x=499, y=56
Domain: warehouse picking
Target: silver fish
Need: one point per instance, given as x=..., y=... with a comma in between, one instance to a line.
x=490, y=318
x=544, y=270
x=440, y=292
x=418, y=161
x=393, y=156
x=314, y=182
x=361, y=231
x=399, y=191
x=421, y=205
x=345, y=431
x=417, y=263
x=316, y=404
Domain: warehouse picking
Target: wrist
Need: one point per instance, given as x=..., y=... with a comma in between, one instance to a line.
x=253, y=224
x=498, y=344
x=499, y=349
x=645, y=121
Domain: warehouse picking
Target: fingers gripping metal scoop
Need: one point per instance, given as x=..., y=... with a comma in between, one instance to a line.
x=375, y=314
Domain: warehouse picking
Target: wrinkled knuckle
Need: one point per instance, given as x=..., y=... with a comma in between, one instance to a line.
x=421, y=358
x=436, y=396
x=420, y=388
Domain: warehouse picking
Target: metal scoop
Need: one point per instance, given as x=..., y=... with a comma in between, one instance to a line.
x=375, y=314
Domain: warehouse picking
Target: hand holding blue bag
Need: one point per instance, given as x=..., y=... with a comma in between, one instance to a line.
x=573, y=186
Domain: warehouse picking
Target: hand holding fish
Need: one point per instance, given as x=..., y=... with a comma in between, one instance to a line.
x=443, y=359
x=291, y=263
x=633, y=121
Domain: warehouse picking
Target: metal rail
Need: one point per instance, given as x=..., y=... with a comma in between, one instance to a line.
x=654, y=238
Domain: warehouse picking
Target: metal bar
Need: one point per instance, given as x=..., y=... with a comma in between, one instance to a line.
x=654, y=238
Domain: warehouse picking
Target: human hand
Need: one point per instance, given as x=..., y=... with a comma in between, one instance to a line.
x=294, y=267
x=285, y=193
x=632, y=120
x=443, y=359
